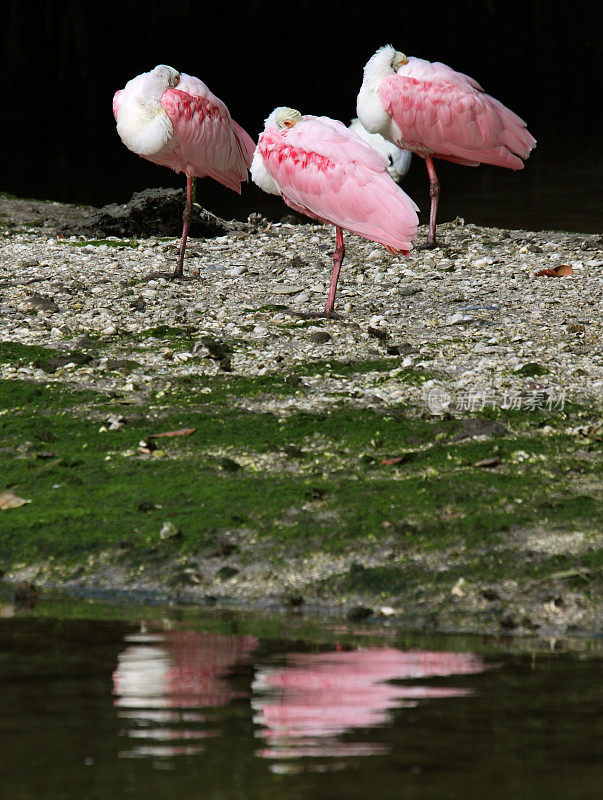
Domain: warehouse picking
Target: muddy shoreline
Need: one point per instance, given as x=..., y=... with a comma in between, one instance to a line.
x=335, y=466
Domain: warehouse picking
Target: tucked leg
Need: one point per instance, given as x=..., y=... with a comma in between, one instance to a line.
x=434, y=193
x=186, y=221
x=337, y=259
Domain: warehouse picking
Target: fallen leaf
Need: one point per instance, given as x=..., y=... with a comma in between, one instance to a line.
x=487, y=462
x=181, y=432
x=562, y=271
x=10, y=500
x=387, y=462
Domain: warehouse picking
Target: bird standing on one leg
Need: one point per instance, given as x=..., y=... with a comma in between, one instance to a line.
x=433, y=111
x=174, y=120
x=325, y=171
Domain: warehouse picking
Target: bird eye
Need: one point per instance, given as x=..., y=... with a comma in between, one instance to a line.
x=287, y=123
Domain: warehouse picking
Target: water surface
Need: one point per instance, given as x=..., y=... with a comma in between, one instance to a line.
x=102, y=703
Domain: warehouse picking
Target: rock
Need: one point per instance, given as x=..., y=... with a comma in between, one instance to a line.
x=359, y=613
x=169, y=531
x=459, y=319
x=287, y=289
x=209, y=347
x=26, y=594
x=38, y=301
x=53, y=363
x=401, y=349
x=85, y=342
x=320, y=337
x=153, y=212
x=377, y=333
x=478, y=426
x=229, y=464
x=226, y=573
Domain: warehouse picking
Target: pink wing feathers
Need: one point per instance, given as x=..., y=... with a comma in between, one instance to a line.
x=207, y=141
x=327, y=172
x=447, y=114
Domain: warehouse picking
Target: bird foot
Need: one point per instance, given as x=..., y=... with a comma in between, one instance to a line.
x=316, y=314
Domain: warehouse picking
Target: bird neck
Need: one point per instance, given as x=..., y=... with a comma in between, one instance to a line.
x=378, y=67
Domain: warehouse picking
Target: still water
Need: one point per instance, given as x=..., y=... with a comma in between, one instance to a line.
x=98, y=702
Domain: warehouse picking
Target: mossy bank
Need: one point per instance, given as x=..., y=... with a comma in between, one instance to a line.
x=433, y=457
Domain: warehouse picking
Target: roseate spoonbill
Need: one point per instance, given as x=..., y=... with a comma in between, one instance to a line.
x=399, y=160
x=173, y=119
x=323, y=170
x=432, y=110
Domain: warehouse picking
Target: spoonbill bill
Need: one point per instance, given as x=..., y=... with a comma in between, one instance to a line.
x=399, y=160
x=174, y=120
x=325, y=171
x=433, y=111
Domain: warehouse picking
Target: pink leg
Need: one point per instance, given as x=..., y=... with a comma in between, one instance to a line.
x=434, y=193
x=186, y=221
x=337, y=259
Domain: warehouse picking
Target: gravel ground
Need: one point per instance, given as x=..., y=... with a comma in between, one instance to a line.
x=471, y=312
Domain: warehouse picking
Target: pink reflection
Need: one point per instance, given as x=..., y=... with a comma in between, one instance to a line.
x=303, y=706
x=158, y=676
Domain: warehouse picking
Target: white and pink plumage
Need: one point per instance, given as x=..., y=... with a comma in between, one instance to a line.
x=433, y=111
x=174, y=120
x=325, y=171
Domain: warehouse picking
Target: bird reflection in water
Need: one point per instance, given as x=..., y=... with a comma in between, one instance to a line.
x=163, y=680
x=304, y=707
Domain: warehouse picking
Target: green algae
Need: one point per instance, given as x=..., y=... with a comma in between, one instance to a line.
x=91, y=488
x=45, y=358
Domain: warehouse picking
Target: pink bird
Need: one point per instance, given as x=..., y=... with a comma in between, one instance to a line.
x=174, y=120
x=325, y=171
x=434, y=111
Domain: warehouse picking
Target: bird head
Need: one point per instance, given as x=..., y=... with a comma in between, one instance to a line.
x=159, y=80
x=286, y=117
x=167, y=76
x=398, y=60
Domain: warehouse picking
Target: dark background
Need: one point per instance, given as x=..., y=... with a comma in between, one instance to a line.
x=62, y=62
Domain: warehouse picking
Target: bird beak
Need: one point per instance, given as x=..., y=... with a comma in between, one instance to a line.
x=176, y=80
